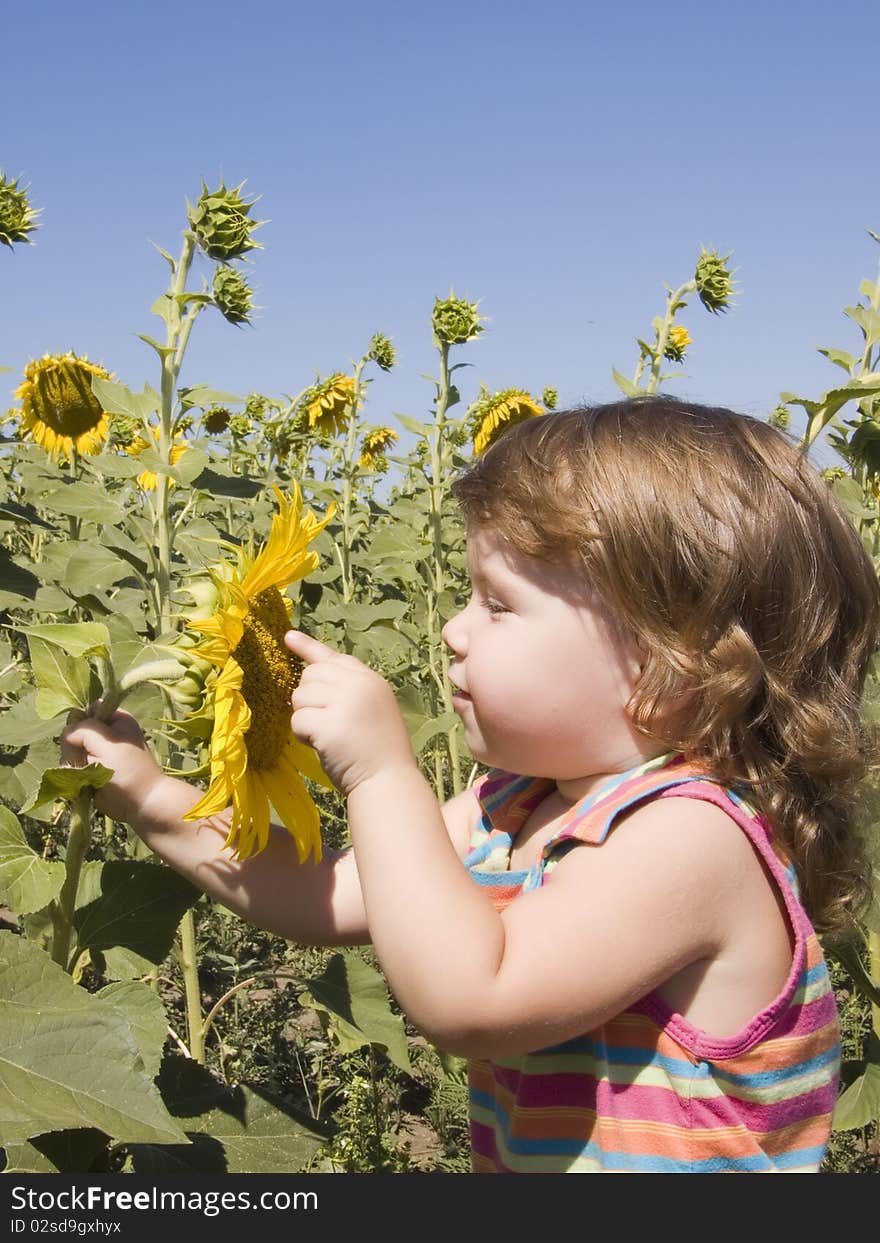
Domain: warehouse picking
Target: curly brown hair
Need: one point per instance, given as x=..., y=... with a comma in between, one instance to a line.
x=711, y=539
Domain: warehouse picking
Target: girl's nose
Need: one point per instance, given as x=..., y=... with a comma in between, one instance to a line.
x=452, y=634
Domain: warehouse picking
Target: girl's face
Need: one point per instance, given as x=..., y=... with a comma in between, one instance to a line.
x=542, y=680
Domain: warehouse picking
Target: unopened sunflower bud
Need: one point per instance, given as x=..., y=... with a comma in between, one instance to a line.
x=240, y=425
x=233, y=296
x=258, y=407
x=455, y=321
x=676, y=343
x=382, y=352
x=714, y=281
x=221, y=223
x=17, y=217
x=124, y=431
x=550, y=398
x=780, y=417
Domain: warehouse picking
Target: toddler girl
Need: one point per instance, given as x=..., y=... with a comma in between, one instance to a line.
x=661, y=662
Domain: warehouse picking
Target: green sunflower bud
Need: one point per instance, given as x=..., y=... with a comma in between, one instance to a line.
x=550, y=398
x=455, y=321
x=233, y=296
x=714, y=281
x=17, y=217
x=240, y=425
x=259, y=408
x=221, y=223
x=780, y=417
x=382, y=352
x=124, y=431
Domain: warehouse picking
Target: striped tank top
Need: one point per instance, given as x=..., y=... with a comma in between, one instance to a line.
x=648, y=1092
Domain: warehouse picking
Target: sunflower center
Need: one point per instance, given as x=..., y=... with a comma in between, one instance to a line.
x=64, y=400
x=271, y=675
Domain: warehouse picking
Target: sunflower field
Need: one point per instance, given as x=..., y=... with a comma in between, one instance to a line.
x=156, y=542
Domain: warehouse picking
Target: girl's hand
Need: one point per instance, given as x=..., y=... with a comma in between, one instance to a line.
x=348, y=714
x=119, y=745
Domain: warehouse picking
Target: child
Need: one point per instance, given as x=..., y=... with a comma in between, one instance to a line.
x=661, y=662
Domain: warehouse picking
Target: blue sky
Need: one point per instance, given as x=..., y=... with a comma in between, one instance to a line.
x=559, y=161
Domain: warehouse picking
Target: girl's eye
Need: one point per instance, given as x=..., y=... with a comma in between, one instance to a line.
x=494, y=607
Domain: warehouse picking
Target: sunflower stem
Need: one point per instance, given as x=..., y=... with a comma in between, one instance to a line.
x=63, y=909
x=347, y=477
x=189, y=968
x=437, y=493
x=673, y=302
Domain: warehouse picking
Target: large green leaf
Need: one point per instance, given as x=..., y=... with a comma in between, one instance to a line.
x=145, y=1014
x=27, y=881
x=234, y=1130
x=362, y=616
x=118, y=399
x=77, y=639
x=83, y=500
x=626, y=386
x=92, y=568
x=351, y=1000
x=68, y=1152
x=63, y=682
x=20, y=725
x=17, y=583
x=68, y=1059
x=66, y=783
x=859, y=1105
x=210, y=480
x=133, y=904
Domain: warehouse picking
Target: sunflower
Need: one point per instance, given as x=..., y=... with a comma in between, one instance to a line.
x=58, y=408
x=676, y=343
x=493, y=413
x=329, y=403
x=374, y=445
x=255, y=757
x=148, y=480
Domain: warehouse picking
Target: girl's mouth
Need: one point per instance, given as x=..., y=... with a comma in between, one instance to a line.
x=461, y=696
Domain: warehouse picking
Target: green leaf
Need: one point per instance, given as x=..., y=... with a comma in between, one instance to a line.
x=92, y=567
x=20, y=725
x=363, y=616
x=83, y=500
x=233, y=1130
x=27, y=882
x=217, y=484
x=859, y=1105
x=145, y=1014
x=394, y=541
x=413, y=425
x=66, y=783
x=352, y=1002
x=63, y=682
x=132, y=904
x=162, y=350
x=201, y=396
x=17, y=584
x=68, y=1059
x=76, y=638
x=189, y=466
x=840, y=358
x=69, y=1152
x=23, y=513
x=626, y=386
x=117, y=399
x=437, y=725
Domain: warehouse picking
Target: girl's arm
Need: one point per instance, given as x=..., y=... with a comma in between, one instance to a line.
x=311, y=904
